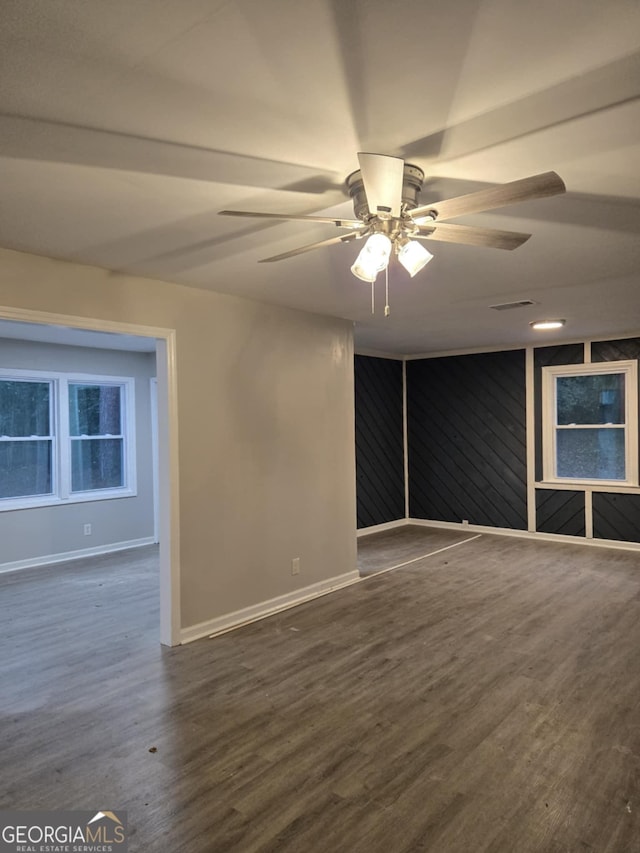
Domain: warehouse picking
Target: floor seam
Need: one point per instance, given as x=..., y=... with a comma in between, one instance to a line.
x=423, y=557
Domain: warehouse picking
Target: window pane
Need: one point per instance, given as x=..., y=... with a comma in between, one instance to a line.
x=96, y=464
x=596, y=399
x=591, y=454
x=25, y=468
x=94, y=409
x=24, y=408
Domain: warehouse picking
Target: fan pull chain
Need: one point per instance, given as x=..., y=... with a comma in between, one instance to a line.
x=387, y=310
x=373, y=298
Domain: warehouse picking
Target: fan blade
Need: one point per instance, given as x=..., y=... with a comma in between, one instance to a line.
x=382, y=179
x=344, y=238
x=492, y=238
x=341, y=223
x=537, y=186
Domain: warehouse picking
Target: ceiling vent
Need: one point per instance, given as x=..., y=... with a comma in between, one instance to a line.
x=507, y=306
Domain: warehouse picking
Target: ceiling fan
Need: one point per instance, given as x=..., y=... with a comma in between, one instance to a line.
x=385, y=192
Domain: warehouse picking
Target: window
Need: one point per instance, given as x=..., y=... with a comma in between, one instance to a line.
x=97, y=440
x=26, y=439
x=590, y=418
x=65, y=438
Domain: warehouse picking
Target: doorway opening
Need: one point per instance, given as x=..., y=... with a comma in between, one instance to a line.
x=41, y=326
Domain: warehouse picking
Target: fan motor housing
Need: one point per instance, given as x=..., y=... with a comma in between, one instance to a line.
x=412, y=180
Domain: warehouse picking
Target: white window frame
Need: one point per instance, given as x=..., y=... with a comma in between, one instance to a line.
x=550, y=375
x=61, y=439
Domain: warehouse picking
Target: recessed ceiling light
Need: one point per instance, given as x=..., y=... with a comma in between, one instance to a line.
x=547, y=324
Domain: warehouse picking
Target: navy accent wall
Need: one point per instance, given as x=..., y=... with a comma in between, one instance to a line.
x=625, y=350
x=467, y=443
x=559, y=511
x=545, y=357
x=616, y=516
x=379, y=440
x=616, y=350
x=467, y=458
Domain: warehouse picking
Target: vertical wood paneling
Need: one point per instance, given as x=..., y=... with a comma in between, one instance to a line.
x=616, y=517
x=559, y=511
x=379, y=440
x=467, y=449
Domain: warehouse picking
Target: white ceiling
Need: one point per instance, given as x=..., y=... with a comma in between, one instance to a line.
x=125, y=126
x=65, y=336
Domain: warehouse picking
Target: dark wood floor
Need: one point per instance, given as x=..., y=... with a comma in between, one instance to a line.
x=483, y=700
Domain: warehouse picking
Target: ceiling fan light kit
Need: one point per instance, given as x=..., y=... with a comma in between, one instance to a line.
x=385, y=193
x=373, y=257
x=412, y=255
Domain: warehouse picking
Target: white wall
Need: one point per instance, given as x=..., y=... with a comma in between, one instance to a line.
x=45, y=532
x=266, y=434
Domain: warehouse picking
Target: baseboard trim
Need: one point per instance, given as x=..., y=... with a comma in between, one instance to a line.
x=380, y=528
x=63, y=557
x=526, y=534
x=231, y=621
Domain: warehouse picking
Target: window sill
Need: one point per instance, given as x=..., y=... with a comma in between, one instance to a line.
x=7, y=505
x=580, y=486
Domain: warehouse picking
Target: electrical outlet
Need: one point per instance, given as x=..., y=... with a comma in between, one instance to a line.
x=87, y=530
x=295, y=566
